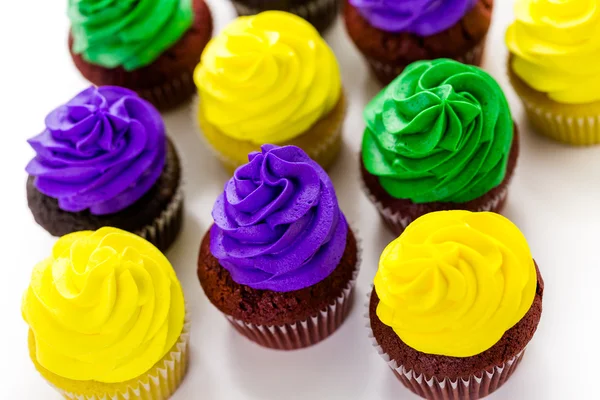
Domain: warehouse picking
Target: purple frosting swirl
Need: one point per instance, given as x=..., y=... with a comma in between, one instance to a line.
x=421, y=17
x=101, y=151
x=278, y=225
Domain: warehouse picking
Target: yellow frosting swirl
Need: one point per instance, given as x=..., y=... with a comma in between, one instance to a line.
x=455, y=281
x=556, y=48
x=267, y=78
x=105, y=306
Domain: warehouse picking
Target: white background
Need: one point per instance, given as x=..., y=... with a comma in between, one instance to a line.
x=554, y=199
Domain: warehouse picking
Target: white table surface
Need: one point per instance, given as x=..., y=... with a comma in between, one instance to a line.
x=554, y=199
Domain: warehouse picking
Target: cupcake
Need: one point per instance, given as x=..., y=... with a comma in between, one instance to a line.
x=553, y=67
x=320, y=13
x=457, y=298
x=104, y=160
x=151, y=46
x=280, y=261
x=439, y=137
x=107, y=318
x=392, y=34
x=270, y=78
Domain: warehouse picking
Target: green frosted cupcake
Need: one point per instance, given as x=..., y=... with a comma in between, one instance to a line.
x=151, y=46
x=439, y=137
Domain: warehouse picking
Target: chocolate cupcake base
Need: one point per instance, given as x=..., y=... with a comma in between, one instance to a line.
x=388, y=53
x=157, y=216
x=320, y=13
x=397, y=214
x=437, y=377
x=168, y=81
x=287, y=320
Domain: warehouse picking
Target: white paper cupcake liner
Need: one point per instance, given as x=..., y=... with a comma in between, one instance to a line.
x=317, y=12
x=164, y=229
x=310, y=331
x=574, y=130
x=398, y=222
x=474, y=387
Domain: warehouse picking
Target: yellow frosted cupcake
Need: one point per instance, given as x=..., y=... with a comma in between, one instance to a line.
x=457, y=298
x=270, y=78
x=554, y=66
x=107, y=318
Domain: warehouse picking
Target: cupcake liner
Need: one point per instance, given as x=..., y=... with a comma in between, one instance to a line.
x=387, y=72
x=397, y=222
x=474, y=387
x=164, y=229
x=310, y=331
x=575, y=130
x=320, y=13
x=324, y=151
x=164, y=96
x=159, y=383
x=574, y=124
x=171, y=94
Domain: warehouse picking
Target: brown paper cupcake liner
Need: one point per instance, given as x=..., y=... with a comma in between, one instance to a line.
x=165, y=228
x=397, y=222
x=320, y=13
x=310, y=331
x=159, y=383
x=387, y=72
x=474, y=387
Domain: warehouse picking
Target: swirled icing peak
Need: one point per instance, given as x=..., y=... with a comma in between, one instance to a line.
x=421, y=17
x=556, y=48
x=278, y=225
x=105, y=306
x=127, y=33
x=102, y=151
x=267, y=78
x=455, y=281
x=441, y=131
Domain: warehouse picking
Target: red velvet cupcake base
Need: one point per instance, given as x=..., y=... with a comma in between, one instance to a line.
x=308, y=332
x=387, y=72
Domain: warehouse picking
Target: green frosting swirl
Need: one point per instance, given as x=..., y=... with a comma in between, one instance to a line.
x=441, y=131
x=127, y=33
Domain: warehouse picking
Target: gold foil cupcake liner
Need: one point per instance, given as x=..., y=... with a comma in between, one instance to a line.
x=574, y=130
x=398, y=222
x=310, y=331
x=473, y=387
x=164, y=229
x=159, y=383
x=322, y=148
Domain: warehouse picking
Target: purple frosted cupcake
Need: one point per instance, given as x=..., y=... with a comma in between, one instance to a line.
x=392, y=34
x=104, y=159
x=280, y=260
